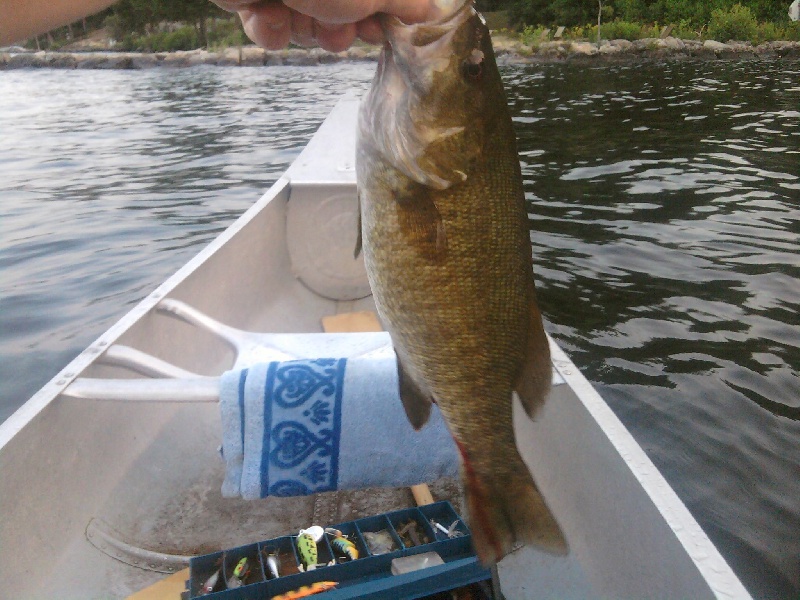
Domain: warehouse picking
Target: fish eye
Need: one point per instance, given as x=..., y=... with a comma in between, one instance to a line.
x=472, y=70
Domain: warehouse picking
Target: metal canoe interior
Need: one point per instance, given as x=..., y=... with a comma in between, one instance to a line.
x=107, y=496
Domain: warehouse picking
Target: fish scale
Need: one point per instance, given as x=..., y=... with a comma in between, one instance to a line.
x=447, y=249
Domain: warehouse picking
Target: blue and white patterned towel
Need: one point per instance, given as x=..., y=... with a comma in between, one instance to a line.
x=315, y=425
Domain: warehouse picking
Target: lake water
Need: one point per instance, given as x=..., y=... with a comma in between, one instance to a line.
x=665, y=216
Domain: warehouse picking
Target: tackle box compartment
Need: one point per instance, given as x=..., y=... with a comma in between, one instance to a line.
x=402, y=533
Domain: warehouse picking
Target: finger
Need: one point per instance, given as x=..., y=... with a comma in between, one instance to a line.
x=233, y=5
x=268, y=24
x=303, y=33
x=335, y=38
x=410, y=11
x=335, y=11
x=370, y=31
x=347, y=11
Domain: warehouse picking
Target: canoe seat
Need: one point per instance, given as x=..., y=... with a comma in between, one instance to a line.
x=321, y=235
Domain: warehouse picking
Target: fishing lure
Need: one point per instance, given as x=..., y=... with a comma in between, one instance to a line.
x=208, y=586
x=344, y=546
x=314, y=531
x=307, y=590
x=272, y=566
x=451, y=532
x=242, y=569
x=307, y=548
x=240, y=572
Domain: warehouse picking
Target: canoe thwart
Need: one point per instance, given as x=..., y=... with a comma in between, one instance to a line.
x=170, y=383
x=235, y=337
x=355, y=334
x=253, y=348
x=119, y=355
x=197, y=389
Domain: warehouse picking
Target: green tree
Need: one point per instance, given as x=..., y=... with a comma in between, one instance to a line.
x=141, y=16
x=133, y=16
x=196, y=12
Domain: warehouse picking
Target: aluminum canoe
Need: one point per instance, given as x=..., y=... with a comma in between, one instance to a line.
x=110, y=480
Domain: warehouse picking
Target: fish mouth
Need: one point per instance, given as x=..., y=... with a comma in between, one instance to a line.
x=418, y=35
x=406, y=112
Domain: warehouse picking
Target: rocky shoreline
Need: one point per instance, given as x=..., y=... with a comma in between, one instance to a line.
x=509, y=51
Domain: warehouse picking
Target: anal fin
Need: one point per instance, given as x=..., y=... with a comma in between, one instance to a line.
x=533, y=384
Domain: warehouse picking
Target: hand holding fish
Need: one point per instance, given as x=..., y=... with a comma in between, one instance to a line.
x=331, y=24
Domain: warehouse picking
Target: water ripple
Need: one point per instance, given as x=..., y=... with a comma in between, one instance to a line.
x=111, y=180
x=663, y=201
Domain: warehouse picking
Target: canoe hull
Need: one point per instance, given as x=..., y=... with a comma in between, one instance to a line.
x=103, y=497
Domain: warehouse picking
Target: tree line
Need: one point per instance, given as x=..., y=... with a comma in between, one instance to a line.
x=137, y=15
x=131, y=21
x=580, y=12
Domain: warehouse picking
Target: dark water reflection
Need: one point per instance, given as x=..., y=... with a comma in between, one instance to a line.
x=111, y=180
x=664, y=209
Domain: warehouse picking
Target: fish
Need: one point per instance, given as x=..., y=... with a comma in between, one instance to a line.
x=446, y=243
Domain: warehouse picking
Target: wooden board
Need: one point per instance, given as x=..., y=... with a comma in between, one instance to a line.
x=354, y=322
x=166, y=589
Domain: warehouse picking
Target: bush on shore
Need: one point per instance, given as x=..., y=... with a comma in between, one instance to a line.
x=736, y=23
x=221, y=34
x=183, y=38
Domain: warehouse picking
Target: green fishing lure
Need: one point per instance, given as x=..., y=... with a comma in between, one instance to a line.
x=307, y=548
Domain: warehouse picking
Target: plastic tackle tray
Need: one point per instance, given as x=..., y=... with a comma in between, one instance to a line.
x=369, y=576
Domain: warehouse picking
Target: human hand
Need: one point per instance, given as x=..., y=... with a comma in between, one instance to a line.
x=331, y=24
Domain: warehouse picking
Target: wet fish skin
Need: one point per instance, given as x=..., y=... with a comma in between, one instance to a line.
x=446, y=243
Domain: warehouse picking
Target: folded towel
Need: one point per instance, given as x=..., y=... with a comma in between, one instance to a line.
x=300, y=427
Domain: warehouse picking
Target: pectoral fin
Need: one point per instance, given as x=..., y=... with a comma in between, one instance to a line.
x=533, y=384
x=359, y=234
x=416, y=402
x=421, y=220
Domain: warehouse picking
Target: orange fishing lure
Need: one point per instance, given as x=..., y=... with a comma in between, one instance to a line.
x=307, y=590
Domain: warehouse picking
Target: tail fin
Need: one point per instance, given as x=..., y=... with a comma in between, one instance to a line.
x=507, y=507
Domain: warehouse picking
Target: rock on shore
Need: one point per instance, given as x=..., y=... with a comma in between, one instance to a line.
x=246, y=56
x=509, y=51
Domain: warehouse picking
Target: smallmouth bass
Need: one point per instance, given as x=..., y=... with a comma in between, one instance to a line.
x=446, y=243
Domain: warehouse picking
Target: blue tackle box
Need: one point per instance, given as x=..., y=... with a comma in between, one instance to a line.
x=403, y=533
